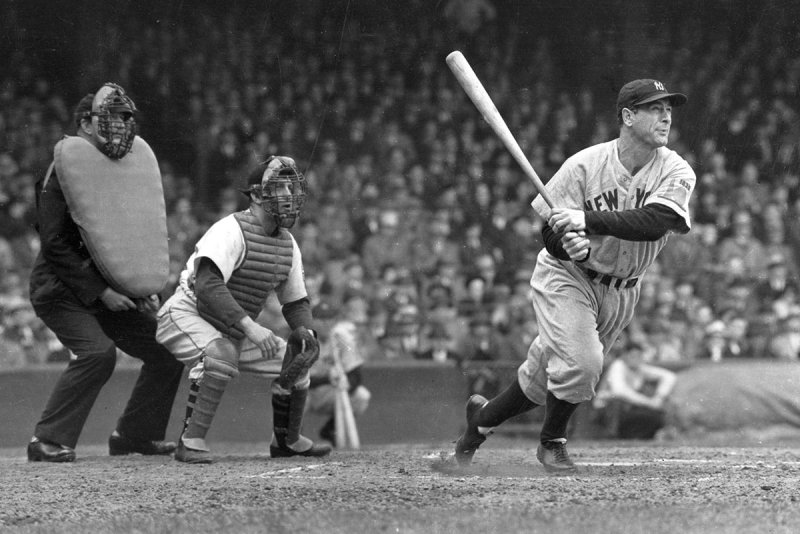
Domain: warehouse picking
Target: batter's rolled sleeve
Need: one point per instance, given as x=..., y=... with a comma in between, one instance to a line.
x=649, y=223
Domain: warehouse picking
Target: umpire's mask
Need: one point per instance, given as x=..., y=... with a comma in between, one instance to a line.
x=113, y=120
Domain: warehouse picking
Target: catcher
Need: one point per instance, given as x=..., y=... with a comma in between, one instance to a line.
x=209, y=323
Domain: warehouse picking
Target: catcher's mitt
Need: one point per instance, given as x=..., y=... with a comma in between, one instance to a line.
x=302, y=350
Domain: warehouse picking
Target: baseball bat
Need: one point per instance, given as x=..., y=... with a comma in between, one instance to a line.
x=345, y=420
x=351, y=431
x=339, y=420
x=474, y=88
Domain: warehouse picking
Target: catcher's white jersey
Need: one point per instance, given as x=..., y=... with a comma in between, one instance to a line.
x=224, y=244
x=595, y=179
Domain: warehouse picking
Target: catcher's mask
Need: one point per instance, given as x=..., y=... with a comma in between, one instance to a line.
x=113, y=119
x=281, y=188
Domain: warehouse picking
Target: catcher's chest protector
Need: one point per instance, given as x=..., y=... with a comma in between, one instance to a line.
x=267, y=263
x=119, y=208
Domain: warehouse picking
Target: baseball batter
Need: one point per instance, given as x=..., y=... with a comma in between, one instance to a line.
x=615, y=205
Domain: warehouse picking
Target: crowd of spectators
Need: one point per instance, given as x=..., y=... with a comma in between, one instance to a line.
x=414, y=204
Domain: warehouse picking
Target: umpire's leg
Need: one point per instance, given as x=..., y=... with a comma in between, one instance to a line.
x=75, y=392
x=147, y=413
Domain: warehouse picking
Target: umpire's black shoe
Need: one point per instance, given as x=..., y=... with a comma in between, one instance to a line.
x=554, y=457
x=316, y=450
x=45, y=451
x=119, y=445
x=471, y=439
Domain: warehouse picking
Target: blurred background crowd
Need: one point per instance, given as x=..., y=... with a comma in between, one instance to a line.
x=417, y=217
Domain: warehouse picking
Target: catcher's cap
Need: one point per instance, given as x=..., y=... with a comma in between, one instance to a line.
x=273, y=164
x=254, y=178
x=644, y=91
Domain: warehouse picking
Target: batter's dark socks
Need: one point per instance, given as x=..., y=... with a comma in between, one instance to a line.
x=556, y=417
x=509, y=403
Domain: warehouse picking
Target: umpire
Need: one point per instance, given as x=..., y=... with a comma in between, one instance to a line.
x=95, y=297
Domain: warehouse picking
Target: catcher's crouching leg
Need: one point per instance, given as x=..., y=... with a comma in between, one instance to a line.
x=289, y=395
x=220, y=365
x=287, y=419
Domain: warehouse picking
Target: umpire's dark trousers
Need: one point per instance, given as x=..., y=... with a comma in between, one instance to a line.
x=93, y=337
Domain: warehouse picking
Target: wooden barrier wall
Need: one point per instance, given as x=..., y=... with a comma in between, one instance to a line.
x=412, y=402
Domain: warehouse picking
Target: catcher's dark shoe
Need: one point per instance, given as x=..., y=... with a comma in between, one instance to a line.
x=45, y=451
x=316, y=450
x=120, y=445
x=191, y=456
x=554, y=457
x=471, y=439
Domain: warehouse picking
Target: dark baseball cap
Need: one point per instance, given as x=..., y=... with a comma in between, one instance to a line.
x=256, y=176
x=644, y=91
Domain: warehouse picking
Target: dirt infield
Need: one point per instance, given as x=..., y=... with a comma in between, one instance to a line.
x=620, y=487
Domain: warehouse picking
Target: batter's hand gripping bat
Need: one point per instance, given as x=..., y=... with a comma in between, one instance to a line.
x=476, y=92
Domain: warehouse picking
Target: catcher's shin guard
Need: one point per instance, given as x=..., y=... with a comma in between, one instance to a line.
x=287, y=415
x=220, y=365
x=204, y=398
x=287, y=420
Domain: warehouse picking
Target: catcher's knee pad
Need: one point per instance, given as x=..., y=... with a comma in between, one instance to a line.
x=221, y=360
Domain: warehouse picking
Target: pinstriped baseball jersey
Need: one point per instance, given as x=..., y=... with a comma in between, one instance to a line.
x=595, y=179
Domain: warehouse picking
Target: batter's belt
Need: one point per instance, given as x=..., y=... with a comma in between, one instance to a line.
x=607, y=279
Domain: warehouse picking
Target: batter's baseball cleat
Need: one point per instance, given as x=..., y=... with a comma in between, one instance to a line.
x=472, y=438
x=47, y=451
x=554, y=457
x=316, y=450
x=191, y=456
x=119, y=445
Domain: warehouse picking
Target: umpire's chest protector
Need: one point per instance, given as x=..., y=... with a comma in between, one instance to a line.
x=119, y=208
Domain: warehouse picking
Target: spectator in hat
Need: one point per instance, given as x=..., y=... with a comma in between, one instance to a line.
x=778, y=286
x=482, y=346
x=440, y=346
x=633, y=393
x=400, y=340
x=476, y=297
